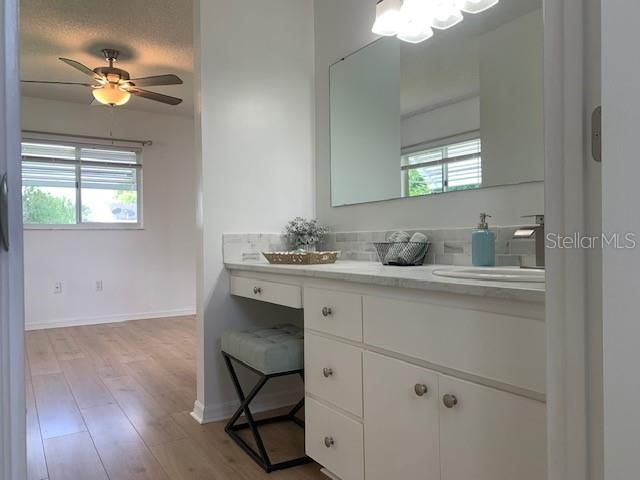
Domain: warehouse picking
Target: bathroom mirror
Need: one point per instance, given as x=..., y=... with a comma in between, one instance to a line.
x=460, y=111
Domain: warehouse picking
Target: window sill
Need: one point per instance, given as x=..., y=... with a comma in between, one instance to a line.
x=83, y=227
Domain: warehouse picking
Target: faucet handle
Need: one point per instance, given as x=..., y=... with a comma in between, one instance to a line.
x=539, y=218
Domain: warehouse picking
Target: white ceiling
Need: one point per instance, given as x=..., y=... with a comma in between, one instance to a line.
x=153, y=36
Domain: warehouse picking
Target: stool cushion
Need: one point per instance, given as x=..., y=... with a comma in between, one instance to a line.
x=272, y=350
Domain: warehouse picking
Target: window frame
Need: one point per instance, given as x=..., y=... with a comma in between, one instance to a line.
x=434, y=145
x=81, y=225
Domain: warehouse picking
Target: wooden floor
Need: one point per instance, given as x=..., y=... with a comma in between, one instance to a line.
x=113, y=402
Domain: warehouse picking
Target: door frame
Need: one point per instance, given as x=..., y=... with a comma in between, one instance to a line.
x=564, y=208
x=12, y=362
x=565, y=212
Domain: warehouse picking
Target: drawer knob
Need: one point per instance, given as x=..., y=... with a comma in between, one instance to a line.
x=450, y=400
x=257, y=290
x=327, y=372
x=328, y=442
x=421, y=389
x=326, y=311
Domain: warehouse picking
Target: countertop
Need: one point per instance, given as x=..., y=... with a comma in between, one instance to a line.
x=417, y=278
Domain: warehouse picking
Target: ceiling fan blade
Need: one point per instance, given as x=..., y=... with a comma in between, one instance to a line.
x=56, y=83
x=156, y=80
x=78, y=66
x=158, y=97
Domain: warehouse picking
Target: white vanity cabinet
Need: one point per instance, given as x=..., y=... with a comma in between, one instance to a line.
x=423, y=415
x=401, y=428
x=489, y=434
x=422, y=425
x=420, y=385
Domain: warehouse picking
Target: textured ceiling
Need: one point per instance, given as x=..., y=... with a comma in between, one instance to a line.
x=153, y=36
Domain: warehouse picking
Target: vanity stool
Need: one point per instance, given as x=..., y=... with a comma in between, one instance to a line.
x=269, y=353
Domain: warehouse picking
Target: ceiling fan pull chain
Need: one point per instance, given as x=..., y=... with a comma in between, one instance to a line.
x=111, y=110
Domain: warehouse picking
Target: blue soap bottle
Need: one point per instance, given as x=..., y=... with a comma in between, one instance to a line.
x=483, y=244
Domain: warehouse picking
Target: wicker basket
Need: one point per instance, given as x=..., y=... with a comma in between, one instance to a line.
x=403, y=254
x=301, y=258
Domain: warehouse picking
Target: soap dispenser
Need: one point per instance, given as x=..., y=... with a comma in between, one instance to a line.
x=483, y=244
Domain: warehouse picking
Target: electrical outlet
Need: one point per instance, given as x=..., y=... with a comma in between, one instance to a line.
x=99, y=286
x=57, y=288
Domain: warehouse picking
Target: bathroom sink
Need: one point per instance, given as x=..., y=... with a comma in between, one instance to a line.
x=494, y=274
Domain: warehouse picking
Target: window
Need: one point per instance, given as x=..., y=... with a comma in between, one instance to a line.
x=444, y=168
x=79, y=185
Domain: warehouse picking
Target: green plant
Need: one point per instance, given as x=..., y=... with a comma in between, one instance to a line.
x=43, y=208
x=304, y=234
x=417, y=184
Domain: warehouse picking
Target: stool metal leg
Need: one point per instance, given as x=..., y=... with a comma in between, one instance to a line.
x=261, y=457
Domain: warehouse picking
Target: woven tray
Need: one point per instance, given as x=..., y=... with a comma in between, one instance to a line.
x=301, y=258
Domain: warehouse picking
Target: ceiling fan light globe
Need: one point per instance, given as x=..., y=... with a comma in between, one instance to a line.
x=111, y=95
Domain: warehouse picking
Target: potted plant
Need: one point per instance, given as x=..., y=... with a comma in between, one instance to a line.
x=304, y=234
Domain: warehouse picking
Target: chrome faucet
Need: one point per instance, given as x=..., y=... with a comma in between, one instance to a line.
x=537, y=232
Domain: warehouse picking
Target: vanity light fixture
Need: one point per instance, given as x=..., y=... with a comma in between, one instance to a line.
x=413, y=20
x=475, y=6
x=389, y=18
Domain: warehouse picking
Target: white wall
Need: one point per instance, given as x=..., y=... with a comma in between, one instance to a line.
x=620, y=194
x=254, y=62
x=146, y=273
x=342, y=27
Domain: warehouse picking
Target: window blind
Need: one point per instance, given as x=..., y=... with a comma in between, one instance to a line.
x=444, y=168
x=101, y=183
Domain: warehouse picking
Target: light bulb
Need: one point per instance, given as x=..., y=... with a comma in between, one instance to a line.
x=414, y=32
x=111, y=94
x=446, y=14
x=475, y=6
x=418, y=10
x=389, y=18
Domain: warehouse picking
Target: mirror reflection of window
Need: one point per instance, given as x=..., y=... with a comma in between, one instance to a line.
x=446, y=168
x=462, y=110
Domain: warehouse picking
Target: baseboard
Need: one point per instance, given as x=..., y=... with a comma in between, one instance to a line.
x=222, y=411
x=76, y=322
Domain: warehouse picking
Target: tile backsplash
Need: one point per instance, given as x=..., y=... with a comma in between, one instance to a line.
x=448, y=246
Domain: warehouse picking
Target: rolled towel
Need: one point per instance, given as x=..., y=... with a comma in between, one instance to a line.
x=414, y=251
x=398, y=240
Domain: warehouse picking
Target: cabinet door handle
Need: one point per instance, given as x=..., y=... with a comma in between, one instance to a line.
x=326, y=311
x=327, y=372
x=4, y=213
x=421, y=389
x=329, y=442
x=450, y=400
x=257, y=290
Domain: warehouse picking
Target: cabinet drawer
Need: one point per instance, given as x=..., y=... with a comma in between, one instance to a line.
x=505, y=348
x=333, y=372
x=335, y=313
x=334, y=441
x=271, y=292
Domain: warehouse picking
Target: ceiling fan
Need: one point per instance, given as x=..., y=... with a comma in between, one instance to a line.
x=113, y=86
